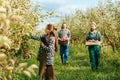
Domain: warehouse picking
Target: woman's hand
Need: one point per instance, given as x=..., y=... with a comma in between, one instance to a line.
x=41, y=44
x=58, y=38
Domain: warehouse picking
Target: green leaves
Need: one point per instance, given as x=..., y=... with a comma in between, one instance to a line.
x=16, y=23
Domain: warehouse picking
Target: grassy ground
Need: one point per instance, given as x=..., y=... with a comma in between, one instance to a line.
x=79, y=66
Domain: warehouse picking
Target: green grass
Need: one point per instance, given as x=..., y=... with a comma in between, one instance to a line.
x=79, y=66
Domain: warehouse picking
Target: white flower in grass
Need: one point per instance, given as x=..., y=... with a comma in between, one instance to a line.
x=27, y=73
x=22, y=65
x=31, y=70
x=33, y=66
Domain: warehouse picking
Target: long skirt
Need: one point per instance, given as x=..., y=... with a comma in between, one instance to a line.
x=49, y=75
x=42, y=66
x=45, y=71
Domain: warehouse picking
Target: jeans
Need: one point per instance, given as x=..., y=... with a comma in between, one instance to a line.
x=64, y=51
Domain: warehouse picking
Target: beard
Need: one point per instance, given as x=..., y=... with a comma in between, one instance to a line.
x=91, y=29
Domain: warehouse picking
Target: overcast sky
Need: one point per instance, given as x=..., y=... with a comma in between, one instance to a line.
x=63, y=7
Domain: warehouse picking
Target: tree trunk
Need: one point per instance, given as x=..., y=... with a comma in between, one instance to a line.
x=114, y=47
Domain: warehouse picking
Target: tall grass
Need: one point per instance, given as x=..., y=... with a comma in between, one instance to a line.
x=79, y=66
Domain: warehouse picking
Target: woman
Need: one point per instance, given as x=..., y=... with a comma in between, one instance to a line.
x=94, y=50
x=46, y=52
x=64, y=33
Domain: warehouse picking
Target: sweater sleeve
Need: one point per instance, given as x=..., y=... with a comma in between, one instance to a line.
x=36, y=38
x=59, y=35
x=99, y=37
x=87, y=35
x=69, y=34
x=39, y=38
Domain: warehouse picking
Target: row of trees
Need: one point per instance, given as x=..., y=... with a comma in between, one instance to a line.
x=18, y=19
x=107, y=18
